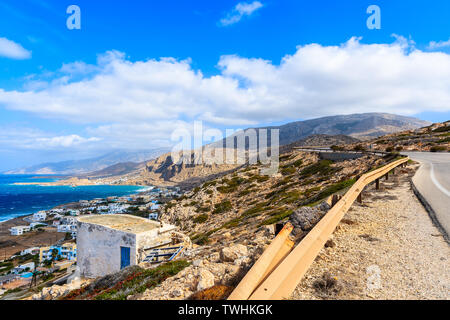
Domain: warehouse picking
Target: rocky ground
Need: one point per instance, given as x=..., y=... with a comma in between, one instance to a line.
x=385, y=248
x=242, y=202
x=434, y=138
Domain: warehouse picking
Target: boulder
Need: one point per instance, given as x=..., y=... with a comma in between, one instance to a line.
x=234, y=252
x=205, y=280
x=305, y=217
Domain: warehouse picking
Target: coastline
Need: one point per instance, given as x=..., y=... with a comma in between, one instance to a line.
x=19, y=219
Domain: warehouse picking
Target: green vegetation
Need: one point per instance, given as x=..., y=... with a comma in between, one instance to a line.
x=203, y=209
x=288, y=171
x=438, y=149
x=255, y=210
x=246, y=192
x=328, y=191
x=290, y=197
x=170, y=205
x=442, y=129
x=336, y=148
x=222, y=207
x=277, y=216
x=258, y=178
x=209, y=184
x=6, y=266
x=359, y=147
x=200, y=218
x=444, y=140
x=134, y=211
x=142, y=280
x=231, y=185
x=284, y=157
x=323, y=167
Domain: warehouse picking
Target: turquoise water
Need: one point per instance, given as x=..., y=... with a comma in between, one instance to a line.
x=19, y=200
x=27, y=275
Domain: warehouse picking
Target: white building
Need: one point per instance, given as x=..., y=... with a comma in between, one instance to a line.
x=19, y=230
x=35, y=224
x=23, y=268
x=69, y=220
x=153, y=216
x=67, y=228
x=109, y=243
x=155, y=206
x=33, y=251
x=40, y=216
x=74, y=212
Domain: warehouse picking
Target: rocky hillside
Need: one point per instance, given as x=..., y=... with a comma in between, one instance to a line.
x=163, y=171
x=231, y=220
x=361, y=126
x=434, y=138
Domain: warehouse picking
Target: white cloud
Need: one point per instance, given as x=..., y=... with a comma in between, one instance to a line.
x=64, y=141
x=13, y=50
x=138, y=104
x=34, y=139
x=433, y=45
x=239, y=11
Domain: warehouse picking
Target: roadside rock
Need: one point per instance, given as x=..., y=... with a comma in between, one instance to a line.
x=234, y=252
x=306, y=217
x=206, y=280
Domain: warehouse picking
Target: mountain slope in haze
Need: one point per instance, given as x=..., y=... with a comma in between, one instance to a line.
x=116, y=170
x=78, y=167
x=361, y=126
x=326, y=131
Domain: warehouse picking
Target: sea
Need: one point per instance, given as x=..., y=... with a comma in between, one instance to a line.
x=20, y=200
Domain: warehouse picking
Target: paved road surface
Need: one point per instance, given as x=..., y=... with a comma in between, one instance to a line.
x=432, y=181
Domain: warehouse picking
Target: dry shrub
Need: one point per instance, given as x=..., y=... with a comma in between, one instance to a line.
x=218, y=292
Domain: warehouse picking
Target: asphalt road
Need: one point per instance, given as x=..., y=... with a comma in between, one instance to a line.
x=432, y=181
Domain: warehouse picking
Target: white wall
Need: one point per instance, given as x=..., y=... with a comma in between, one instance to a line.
x=98, y=249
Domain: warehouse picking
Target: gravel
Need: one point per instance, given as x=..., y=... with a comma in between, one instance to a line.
x=386, y=248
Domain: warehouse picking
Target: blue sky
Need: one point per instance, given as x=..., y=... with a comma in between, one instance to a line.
x=137, y=70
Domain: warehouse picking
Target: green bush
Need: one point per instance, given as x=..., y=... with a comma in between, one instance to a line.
x=142, y=280
x=336, y=148
x=203, y=209
x=222, y=207
x=209, y=183
x=288, y=171
x=438, y=149
x=323, y=167
x=359, y=148
x=442, y=129
x=277, y=216
x=200, y=218
x=328, y=191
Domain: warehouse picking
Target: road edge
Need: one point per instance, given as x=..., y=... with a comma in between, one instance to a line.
x=430, y=210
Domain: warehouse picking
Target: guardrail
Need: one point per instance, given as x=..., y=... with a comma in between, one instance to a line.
x=276, y=274
x=329, y=150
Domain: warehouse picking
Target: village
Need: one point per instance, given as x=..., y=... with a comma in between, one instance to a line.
x=55, y=259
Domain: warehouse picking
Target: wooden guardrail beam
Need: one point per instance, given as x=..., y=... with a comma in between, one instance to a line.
x=283, y=280
x=270, y=259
